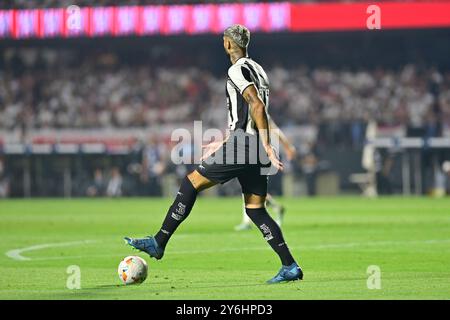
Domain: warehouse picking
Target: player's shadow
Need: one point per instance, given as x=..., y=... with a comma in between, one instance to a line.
x=90, y=292
x=104, y=286
x=98, y=291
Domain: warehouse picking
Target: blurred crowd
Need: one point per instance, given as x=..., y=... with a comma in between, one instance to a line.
x=67, y=88
x=38, y=90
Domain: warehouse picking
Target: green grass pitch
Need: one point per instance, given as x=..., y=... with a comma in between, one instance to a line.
x=334, y=239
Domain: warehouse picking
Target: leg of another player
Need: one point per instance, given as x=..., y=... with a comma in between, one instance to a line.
x=255, y=208
x=277, y=207
x=246, y=222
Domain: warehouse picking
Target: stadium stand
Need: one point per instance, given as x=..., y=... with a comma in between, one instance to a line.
x=54, y=91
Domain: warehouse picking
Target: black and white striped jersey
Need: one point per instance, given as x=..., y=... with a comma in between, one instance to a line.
x=242, y=74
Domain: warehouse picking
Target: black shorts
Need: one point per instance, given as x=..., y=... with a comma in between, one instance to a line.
x=249, y=176
x=252, y=174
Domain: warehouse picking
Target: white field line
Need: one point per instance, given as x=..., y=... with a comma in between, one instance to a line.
x=16, y=254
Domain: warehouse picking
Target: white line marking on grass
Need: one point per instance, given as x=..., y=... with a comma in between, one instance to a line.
x=16, y=254
x=259, y=248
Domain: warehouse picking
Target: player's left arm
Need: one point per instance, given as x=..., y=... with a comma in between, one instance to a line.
x=259, y=116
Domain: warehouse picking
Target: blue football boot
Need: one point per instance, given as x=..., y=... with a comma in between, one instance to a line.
x=147, y=245
x=287, y=273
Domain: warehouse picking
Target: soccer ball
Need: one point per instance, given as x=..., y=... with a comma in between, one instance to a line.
x=132, y=270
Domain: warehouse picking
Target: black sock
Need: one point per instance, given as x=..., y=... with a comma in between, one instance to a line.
x=178, y=211
x=272, y=233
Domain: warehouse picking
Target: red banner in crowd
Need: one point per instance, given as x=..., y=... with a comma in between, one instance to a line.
x=214, y=18
x=354, y=16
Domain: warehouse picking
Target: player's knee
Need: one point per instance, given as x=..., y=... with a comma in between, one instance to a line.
x=198, y=181
x=253, y=201
x=254, y=205
x=193, y=179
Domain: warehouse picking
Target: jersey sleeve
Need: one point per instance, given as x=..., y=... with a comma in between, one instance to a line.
x=240, y=77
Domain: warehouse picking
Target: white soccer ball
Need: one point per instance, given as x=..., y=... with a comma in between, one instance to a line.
x=132, y=270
